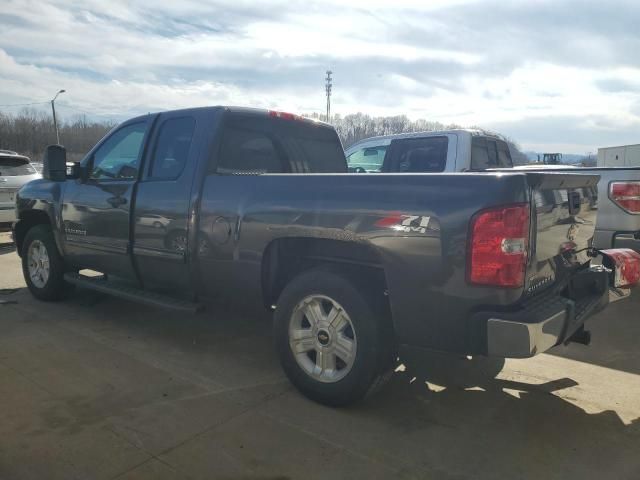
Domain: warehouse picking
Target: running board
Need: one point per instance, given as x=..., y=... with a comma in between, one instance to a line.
x=99, y=284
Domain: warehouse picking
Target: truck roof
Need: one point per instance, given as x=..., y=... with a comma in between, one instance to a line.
x=430, y=133
x=243, y=110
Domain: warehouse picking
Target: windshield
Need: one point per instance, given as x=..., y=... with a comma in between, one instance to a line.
x=15, y=167
x=367, y=159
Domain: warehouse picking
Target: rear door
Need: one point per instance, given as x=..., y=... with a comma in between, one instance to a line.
x=96, y=210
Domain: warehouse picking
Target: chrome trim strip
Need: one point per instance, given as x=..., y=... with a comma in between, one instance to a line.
x=96, y=246
x=157, y=253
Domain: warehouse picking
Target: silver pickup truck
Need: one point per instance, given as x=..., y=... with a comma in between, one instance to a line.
x=617, y=196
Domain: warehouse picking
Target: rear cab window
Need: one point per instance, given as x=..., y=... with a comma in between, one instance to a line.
x=418, y=155
x=488, y=152
x=15, y=167
x=254, y=144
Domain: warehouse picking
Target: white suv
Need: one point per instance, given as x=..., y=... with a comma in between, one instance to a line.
x=15, y=171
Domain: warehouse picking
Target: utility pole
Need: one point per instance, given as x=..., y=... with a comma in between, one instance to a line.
x=55, y=122
x=328, y=90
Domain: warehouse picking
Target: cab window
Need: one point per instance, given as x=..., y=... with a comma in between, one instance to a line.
x=418, y=155
x=489, y=153
x=367, y=159
x=119, y=156
x=249, y=152
x=172, y=148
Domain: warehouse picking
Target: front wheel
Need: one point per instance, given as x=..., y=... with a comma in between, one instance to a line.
x=42, y=265
x=331, y=339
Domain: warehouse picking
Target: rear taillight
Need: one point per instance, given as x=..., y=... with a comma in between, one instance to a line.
x=499, y=246
x=626, y=195
x=626, y=266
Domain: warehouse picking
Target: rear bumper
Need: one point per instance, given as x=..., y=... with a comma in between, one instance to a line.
x=542, y=323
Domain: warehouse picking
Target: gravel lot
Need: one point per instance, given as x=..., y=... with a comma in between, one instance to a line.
x=97, y=387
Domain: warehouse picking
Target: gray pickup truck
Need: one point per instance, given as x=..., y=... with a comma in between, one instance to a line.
x=179, y=207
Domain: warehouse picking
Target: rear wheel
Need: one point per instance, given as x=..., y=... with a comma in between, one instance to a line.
x=330, y=338
x=42, y=265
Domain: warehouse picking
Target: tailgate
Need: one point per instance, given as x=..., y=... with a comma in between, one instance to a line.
x=564, y=224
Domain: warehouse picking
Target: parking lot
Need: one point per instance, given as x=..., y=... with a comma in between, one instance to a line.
x=97, y=387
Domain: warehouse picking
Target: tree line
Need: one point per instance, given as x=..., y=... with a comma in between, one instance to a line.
x=30, y=131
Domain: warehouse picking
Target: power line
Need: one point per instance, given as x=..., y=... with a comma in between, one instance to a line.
x=91, y=114
x=23, y=104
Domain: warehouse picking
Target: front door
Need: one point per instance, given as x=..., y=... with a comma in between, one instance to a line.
x=96, y=209
x=163, y=199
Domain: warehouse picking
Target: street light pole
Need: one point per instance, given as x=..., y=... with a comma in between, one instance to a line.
x=328, y=87
x=55, y=122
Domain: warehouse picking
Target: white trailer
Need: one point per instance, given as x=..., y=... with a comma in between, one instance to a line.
x=623, y=156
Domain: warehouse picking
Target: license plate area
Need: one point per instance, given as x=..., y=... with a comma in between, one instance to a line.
x=7, y=196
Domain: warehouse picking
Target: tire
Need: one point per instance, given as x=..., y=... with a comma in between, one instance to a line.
x=350, y=376
x=50, y=286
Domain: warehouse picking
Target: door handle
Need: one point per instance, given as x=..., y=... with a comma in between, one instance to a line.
x=115, y=202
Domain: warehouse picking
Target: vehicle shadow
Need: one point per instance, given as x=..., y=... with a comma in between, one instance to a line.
x=615, y=332
x=5, y=248
x=472, y=424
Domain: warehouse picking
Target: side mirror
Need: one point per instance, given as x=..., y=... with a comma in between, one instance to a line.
x=54, y=163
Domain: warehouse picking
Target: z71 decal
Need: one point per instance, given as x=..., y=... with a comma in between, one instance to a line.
x=405, y=223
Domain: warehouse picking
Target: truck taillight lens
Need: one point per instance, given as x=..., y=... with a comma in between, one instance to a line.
x=499, y=246
x=626, y=265
x=626, y=195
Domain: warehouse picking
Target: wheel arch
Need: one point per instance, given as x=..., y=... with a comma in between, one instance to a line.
x=285, y=258
x=28, y=220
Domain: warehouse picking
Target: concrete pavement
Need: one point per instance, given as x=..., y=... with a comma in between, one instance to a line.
x=99, y=388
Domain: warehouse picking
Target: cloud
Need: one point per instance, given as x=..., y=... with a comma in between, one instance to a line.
x=488, y=63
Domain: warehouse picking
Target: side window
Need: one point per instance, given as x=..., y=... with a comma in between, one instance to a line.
x=504, y=155
x=119, y=156
x=479, y=154
x=419, y=154
x=493, y=153
x=248, y=152
x=489, y=153
x=172, y=147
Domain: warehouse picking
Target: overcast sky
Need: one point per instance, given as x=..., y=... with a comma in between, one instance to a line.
x=554, y=75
